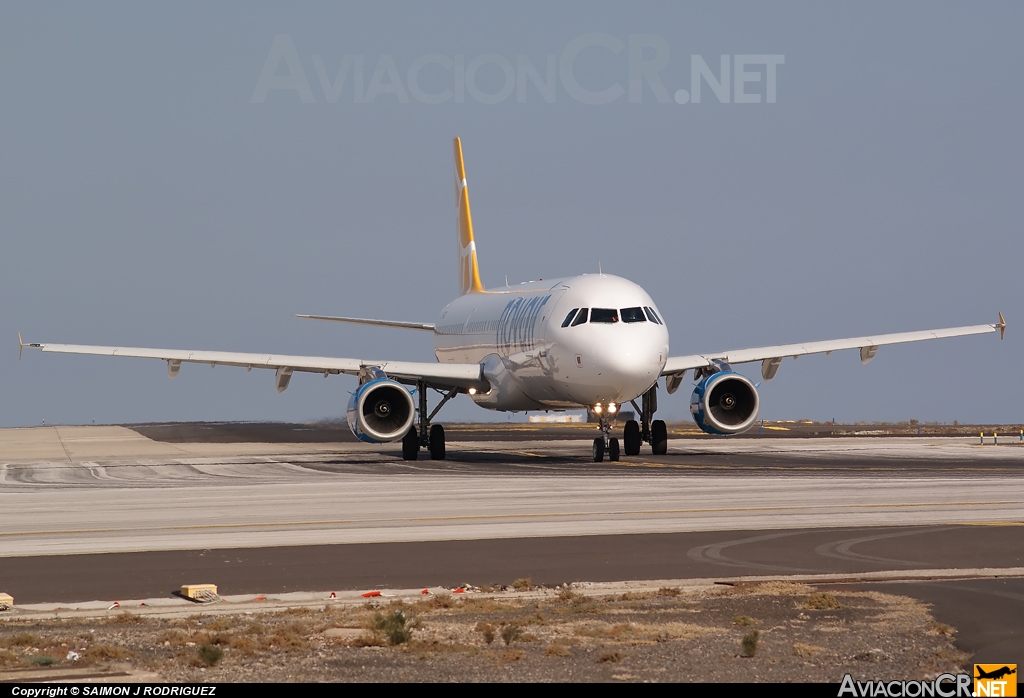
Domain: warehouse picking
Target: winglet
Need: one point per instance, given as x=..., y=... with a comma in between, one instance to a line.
x=22, y=345
x=1001, y=326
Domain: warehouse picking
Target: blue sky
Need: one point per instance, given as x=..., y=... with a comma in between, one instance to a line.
x=149, y=196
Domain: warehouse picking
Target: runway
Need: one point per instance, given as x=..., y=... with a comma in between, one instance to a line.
x=152, y=495
x=107, y=512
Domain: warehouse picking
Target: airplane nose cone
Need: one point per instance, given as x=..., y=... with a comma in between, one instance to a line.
x=630, y=370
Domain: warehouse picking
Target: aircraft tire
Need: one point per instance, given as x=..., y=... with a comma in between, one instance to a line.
x=598, y=449
x=613, y=450
x=631, y=438
x=437, y=442
x=411, y=445
x=659, y=438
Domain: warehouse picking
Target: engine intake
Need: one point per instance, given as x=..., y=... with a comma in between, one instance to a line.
x=724, y=403
x=381, y=410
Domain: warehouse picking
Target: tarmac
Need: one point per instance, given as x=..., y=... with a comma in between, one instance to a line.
x=106, y=513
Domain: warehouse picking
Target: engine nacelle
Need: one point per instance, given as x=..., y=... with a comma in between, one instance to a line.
x=381, y=410
x=724, y=403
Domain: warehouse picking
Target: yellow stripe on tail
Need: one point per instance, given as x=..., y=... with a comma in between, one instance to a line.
x=469, y=272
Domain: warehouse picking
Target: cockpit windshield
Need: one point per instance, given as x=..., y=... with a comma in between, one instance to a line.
x=633, y=315
x=652, y=316
x=610, y=316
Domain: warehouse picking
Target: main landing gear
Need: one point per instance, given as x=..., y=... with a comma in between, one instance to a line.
x=651, y=430
x=429, y=436
x=648, y=429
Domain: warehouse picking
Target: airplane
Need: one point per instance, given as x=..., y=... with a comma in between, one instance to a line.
x=995, y=673
x=595, y=340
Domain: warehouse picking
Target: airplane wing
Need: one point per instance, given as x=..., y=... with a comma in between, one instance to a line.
x=429, y=327
x=771, y=357
x=434, y=374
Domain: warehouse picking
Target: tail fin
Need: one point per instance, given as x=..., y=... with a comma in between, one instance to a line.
x=469, y=272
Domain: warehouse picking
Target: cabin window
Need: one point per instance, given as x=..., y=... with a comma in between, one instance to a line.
x=652, y=316
x=581, y=318
x=633, y=315
x=569, y=317
x=606, y=315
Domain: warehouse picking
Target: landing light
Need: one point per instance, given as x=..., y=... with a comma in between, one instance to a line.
x=611, y=408
x=472, y=391
x=597, y=408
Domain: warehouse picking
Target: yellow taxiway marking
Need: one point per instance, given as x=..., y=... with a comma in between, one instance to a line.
x=549, y=515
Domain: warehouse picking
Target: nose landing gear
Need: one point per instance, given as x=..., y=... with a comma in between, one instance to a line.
x=606, y=442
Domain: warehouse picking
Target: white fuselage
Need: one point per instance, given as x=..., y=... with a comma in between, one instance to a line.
x=532, y=362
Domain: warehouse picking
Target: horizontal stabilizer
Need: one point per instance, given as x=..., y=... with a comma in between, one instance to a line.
x=426, y=326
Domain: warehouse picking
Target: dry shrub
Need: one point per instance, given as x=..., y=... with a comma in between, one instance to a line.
x=395, y=625
x=43, y=660
x=487, y=630
x=569, y=595
x=107, y=652
x=743, y=620
x=557, y=650
x=188, y=658
x=670, y=591
x=801, y=649
x=749, y=643
x=522, y=584
x=477, y=605
x=680, y=630
x=612, y=657
x=174, y=637
x=511, y=655
x=218, y=624
x=8, y=658
x=23, y=640
x=291, y=637
x=368, y=639
x=297, y=611
x=124, y=618
x=241, y=643
x=947, y=631
x=637, y=596
x=511, y=632
x=762, y=589
x=821, y=601
x=210, y=654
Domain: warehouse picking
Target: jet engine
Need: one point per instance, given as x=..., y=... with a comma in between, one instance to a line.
x=724, y=403
x=381, y=410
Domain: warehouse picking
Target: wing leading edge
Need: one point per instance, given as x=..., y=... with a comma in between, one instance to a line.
x=425, y=326
x=410, y=372
x=771, y=357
